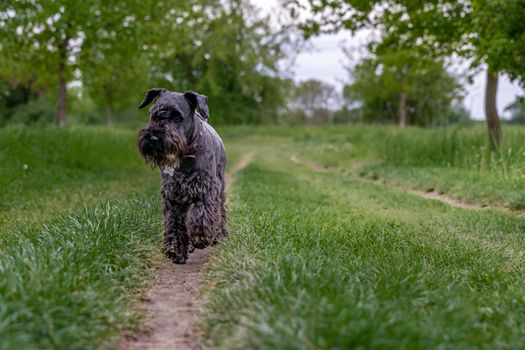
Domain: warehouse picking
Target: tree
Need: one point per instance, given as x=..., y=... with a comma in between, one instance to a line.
x=313, y=101
x=42, y=39
x=490, y=32
x=112, y=61
x=114, y=50
x=404, y=88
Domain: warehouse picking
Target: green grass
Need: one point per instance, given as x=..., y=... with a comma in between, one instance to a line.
x=80, y=231
x=47, y=170
x=314, y=260
x=327, y=261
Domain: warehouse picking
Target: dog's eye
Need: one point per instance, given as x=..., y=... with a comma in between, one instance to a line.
x=176, y=116
x=161, y=115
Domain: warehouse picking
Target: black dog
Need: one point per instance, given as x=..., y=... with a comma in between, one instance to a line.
x=191, y=158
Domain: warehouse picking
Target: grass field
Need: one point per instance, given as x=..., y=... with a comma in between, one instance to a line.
x=318, y=256
x=321, y=259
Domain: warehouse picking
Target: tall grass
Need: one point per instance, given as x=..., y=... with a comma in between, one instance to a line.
x=453, y=147
x=44, y=171
x=451, y=160
x=465, y=148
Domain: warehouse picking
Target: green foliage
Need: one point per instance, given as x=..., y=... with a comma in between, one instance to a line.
x=112, y=58
x=44, y=40
x=232, y=58
x=497, y=31
x=38, y=111
x=21, y=104
x=114, y=51
x=490, y=32
x=458, y=114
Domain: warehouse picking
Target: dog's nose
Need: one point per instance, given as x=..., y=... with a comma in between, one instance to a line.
x=154, y=138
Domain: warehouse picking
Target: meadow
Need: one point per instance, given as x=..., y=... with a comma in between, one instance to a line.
x=327, y=247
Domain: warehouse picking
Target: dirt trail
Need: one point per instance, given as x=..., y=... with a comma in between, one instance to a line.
x=447, y=200
x=427, y=195
x=172, y=303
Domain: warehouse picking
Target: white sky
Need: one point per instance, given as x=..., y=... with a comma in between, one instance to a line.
x=327, y=62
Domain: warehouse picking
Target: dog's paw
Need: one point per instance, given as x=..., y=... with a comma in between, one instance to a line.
x=177, y=258
x=191, y=248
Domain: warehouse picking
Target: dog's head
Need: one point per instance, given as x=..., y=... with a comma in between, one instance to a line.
x=172, y=127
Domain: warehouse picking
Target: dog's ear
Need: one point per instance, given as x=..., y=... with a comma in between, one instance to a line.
x=199, y=103
x=151, y=95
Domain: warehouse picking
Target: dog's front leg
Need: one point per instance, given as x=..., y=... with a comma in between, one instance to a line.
x=175, y=234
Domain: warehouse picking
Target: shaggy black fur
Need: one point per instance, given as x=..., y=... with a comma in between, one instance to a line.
x=191, y=158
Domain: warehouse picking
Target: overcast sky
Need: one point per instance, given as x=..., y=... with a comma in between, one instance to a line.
x=327, y=62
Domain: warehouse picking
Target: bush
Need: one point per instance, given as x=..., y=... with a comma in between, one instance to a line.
x=35, y=112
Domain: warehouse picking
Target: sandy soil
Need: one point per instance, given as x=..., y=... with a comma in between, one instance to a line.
x=171, y=305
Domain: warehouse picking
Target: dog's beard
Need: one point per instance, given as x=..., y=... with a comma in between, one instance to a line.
x=174, y=146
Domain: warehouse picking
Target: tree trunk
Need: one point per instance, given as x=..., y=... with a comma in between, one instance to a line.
x=110, y=114
x=62, y=83
x=62, y=96
x=491, y=111
x=402, y=109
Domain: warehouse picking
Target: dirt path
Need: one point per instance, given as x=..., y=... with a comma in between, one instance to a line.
x=172, y=303
x=433, y=195
x=241, y=164
x=315, y=167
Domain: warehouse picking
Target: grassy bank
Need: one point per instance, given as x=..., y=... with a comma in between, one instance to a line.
x=70, y=284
